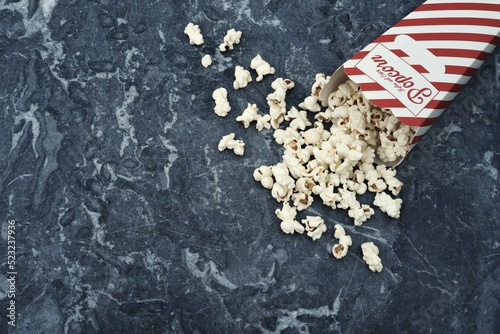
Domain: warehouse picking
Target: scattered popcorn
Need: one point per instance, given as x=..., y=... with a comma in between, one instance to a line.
x=288, y=223
x=335, y=157
x=261, y=67
x=340, y=249
x=370, y=256
x=206, y=61
x=232, y=37
x=222, y=106
x=194, y=33
x=228, y=142
x=315, y=226
x=388, y=204
x=242, y=77
x=339, y=161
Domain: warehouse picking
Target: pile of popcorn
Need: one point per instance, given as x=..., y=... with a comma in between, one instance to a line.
x=333, y=154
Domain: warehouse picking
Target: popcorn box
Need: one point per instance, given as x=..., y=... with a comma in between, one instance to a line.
x=417, y=67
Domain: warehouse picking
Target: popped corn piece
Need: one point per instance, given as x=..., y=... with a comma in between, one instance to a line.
x=315, y=226
x=359, y=187
x=312, y=136
x=282, y=84
x=348, y=88
x=263, y=122
x=228, y=142
x=324, y=116
x=287, y=137
x=249, y=115
x=327, y=194
x=361, y=214
x=288, y=223
x=206, y=61
x=242, y=77
x=370, y=256
x=194, y=33
x=310, y=103
x=281, y=174
x=304, y=185
x=232, y=38
x=320, y=81
x=325, y=155
x=222, y=106
x=264, y=175
x=298, y=119
x=294, y=165
x=347, y=198
x=356, y=120
x=340, y=249
x=388, y=204
x=305, y=153
x=302, y=200
x=261, y=67
x=282, y=192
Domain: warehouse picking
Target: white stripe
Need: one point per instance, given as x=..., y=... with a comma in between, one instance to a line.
x=445, y=96
x=422, y=130
x=483, y=14
x=379, y=95
x=443, y=29
x=459, y=45
x=457, y=61
x=361, y=79
x=385, y=95
x=448, y=78
x=425, y=113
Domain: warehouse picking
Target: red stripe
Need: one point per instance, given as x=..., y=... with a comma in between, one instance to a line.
x=416, y=139
x=442, y=21
x=388, y=103
x=353, y=71
x=360, y=55
x=448, y=87
x=460, y=70
x=459, y=6
x=420, y=68
x=417, y=121
x=466, y=37
x=436, y=104
x=371, y=86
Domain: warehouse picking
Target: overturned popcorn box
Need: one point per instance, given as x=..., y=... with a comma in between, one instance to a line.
x=417, y=67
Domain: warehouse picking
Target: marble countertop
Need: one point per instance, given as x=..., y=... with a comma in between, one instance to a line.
x=129, y=220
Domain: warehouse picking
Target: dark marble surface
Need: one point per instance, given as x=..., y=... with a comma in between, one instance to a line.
x=129, y=220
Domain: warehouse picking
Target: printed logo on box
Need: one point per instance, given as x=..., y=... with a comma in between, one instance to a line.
x=398, y=77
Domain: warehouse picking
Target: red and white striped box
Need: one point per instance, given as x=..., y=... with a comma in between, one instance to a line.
x=417, y=67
